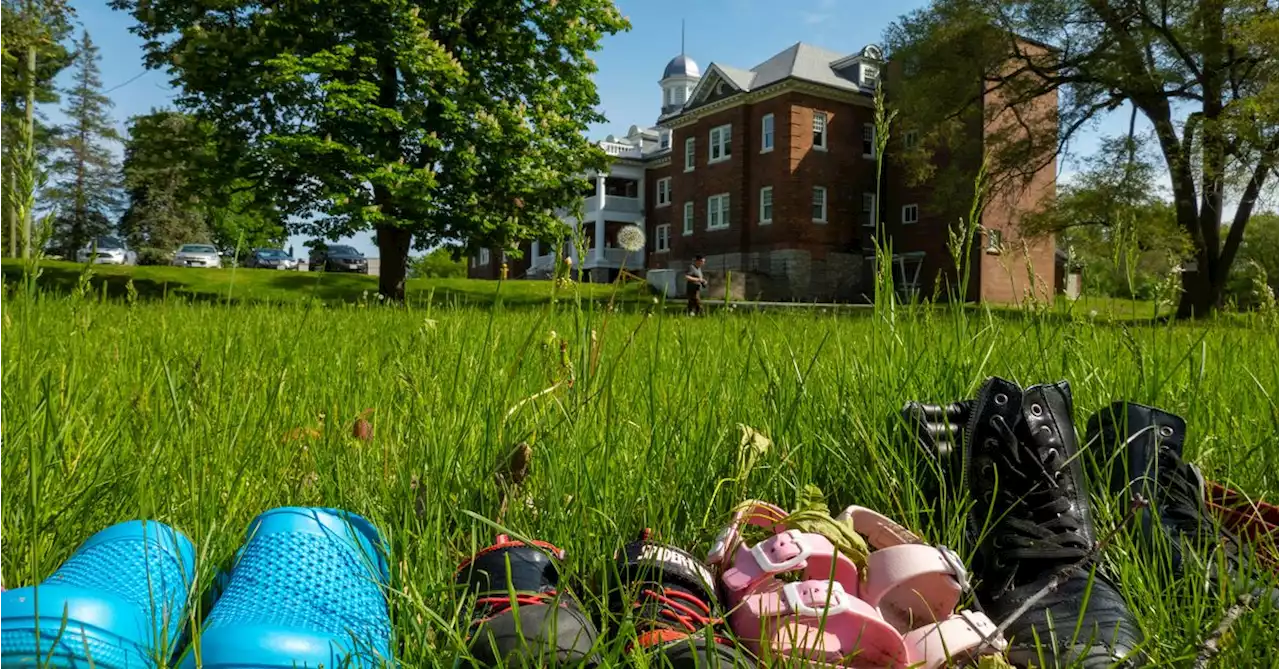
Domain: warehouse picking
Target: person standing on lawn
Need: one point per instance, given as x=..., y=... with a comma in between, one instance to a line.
x=696, y=283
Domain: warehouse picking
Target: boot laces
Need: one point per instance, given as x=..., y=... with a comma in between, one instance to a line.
x=1182, y=506
x=1040, y=523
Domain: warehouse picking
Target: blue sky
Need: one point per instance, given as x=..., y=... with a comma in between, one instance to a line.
x=742, y=33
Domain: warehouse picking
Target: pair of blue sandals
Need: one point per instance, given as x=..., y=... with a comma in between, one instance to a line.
x=308, y=588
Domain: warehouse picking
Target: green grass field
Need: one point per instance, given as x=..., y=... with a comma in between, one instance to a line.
x=191, y=413
x=250, y=286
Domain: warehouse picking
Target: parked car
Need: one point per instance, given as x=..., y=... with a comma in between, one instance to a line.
x=107, y=250
x=270, y=259
x=197, y=255
x=338, y=259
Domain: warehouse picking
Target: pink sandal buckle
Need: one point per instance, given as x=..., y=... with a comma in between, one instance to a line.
x=783, y=542
x=820, y=619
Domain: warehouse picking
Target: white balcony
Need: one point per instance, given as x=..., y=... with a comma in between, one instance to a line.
x=623, y=257
x=618, y=203
x=620, y=150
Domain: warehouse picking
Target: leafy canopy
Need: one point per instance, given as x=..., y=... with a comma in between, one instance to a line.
x=451, y=120
x=1203, y=73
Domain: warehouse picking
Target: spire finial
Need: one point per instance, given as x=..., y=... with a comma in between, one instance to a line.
x=681, y=37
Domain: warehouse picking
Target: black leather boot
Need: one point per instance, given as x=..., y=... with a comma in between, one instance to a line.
x=674, y=608
x=1147, y=447
x=542, y=626
x=1031, y=508
x=937, y=430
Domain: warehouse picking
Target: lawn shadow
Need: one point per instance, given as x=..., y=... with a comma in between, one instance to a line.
x=63, y=279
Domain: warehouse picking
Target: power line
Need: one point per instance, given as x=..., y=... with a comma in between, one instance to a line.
x=130, y=81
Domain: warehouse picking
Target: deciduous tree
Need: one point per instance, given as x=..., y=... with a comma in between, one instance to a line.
x=1203, y=73
x=29, y=30
x=425, y=121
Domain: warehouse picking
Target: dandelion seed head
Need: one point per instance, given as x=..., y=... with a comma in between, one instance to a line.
x=631, y=238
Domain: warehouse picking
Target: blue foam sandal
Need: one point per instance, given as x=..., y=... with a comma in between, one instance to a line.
x=307, y=589
x=123, y=594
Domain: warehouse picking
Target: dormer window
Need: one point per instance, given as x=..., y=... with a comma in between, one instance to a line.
x=870, y=74
x=664, y=140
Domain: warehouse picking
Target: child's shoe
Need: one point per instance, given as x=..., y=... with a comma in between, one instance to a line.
x=119, y=601
x=674, y=607
x=541, y=625
x=307, y=589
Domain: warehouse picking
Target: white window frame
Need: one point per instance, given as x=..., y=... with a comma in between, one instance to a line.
x=766, y=192
x=824, y=119
x=910, y=139
x=995, y=242
x=664, y=192
x=870, y=74
x=664, y=140
x=910, y=214
x=869, y=140
x=690, y=153
x=766, y=133
x=909, y=288
x=662, y=238
x=688, y=218
x=869, y=211
x=720, y=139
x=718, y=212
x=819, y=191
x=484, y=257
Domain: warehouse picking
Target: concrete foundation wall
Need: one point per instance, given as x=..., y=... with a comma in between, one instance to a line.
x=783, y=275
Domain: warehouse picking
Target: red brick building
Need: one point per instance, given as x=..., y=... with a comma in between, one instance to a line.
x=770, y=173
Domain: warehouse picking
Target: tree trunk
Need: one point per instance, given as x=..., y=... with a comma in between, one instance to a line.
x=1201, y=293
x=393, y=251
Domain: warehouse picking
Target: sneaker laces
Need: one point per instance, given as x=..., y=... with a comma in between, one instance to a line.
x=1040, y=524
x=678, y=606
x=672, y=606
x=498, y=605
x=497, y=602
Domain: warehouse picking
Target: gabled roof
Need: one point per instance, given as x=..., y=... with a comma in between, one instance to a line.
x=800, y=61
x=805, y=62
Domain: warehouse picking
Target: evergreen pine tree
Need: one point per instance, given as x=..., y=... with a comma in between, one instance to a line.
x=86, y=190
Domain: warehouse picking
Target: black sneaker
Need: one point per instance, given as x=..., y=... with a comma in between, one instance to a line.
x=541, y=626
x=674, y=608
x=1150, y=464
x=1031, y=510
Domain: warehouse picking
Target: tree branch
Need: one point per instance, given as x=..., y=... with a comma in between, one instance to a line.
x=1266, y=164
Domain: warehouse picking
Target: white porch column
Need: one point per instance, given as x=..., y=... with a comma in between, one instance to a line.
x=600, y=196
x=533, y=251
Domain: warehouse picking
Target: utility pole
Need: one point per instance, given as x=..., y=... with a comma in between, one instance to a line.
x=9, y=204
x=31, y=140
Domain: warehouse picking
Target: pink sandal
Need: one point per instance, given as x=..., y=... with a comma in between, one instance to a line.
x=838, y=616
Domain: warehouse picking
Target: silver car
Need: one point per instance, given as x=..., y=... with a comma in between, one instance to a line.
x=197, y=255
x=107, y=250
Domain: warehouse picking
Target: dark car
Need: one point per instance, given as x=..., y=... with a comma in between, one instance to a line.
x=270, y=259
x=338, y=259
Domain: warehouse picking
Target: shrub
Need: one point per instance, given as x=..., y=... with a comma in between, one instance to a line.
x=154, y=256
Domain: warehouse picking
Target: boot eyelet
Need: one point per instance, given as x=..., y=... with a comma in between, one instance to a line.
x=1036, y=410
x=1001, y=399
x=1166, y=431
